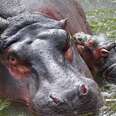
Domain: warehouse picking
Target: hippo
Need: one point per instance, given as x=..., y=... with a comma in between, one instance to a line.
x=102, y=52
x=35, y=65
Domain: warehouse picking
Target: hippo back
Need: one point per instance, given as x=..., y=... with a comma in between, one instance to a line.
x=57, y=9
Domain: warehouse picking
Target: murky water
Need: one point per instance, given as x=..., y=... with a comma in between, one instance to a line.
x=101, y=15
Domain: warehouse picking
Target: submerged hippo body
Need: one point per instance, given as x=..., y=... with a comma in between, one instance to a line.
x=33, y=66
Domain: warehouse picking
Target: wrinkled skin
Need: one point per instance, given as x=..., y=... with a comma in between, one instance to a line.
x=34, y=65
x=55, y=9
x=47, y=82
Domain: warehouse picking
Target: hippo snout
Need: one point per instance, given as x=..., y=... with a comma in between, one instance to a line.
x=82, y=90
x=81, y=99
x=74, y=99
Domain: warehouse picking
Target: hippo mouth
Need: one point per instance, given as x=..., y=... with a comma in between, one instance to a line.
x=110, y=73
x=87, y=105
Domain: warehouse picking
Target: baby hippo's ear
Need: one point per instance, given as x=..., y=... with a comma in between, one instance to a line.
x=100, y=53
x=104, y=52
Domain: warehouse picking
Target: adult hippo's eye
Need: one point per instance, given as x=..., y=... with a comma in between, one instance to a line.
x=12, y=60
x=17, y=67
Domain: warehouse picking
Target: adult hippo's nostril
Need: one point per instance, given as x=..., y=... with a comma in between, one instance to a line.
x=55, y=99
x=72, y=100
x=83, y=89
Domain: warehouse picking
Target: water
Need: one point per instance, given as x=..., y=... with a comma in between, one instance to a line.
x=101, y=15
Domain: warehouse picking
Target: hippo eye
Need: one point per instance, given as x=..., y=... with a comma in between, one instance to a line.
x=12, y=60
x=17, y=67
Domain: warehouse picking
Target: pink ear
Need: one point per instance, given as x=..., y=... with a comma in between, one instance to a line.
x=100, y=53
x=104, y=52
x=63, y=22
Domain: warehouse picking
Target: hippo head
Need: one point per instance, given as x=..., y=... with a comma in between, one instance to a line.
x=35, y=69
x=102, y=52
x=104, y=56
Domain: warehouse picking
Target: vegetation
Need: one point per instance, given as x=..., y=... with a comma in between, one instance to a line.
x=4, y=104
x=103, y=21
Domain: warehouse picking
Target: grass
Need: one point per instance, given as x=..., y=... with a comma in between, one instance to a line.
x=4, y=104
x=103, y=21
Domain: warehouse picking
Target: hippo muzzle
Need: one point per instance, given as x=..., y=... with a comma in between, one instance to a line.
x=33, y=53
x=73, y=97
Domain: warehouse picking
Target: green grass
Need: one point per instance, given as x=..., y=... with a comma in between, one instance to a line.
x=103, y=21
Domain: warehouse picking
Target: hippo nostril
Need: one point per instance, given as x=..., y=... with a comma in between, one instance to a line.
x=83, y=89
x=55, y=99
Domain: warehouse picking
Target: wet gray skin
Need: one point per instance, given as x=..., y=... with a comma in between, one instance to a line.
x=108, y=64
x=54, y=87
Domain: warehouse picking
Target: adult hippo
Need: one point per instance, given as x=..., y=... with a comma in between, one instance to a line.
x=34, y=64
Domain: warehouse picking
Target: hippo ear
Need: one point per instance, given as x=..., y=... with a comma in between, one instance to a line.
x=63, y=22
x=104, y=52
x=3, y=24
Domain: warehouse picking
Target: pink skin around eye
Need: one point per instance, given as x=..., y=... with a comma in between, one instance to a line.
x=16, y=69
x=19, y=72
